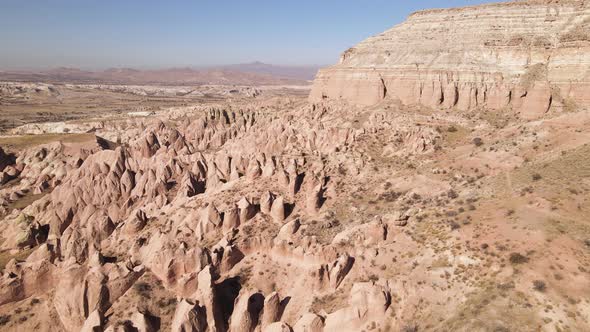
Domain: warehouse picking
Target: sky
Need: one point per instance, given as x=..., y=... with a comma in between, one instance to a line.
x=92, y=34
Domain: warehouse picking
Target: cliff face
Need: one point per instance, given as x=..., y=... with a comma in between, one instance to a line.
x=528, y=56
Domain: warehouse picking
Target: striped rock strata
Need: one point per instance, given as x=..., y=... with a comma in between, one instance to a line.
x=527, y=56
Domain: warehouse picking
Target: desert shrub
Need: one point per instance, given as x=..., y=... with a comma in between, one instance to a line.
x=389, y=196
x=577, y=34
x=143, y=289
x=452, y=194
x=452, y=129
x=411, y=327
x=517, y=258
x=4, y=319
x=501, y=329
x=451, y=213
x=539, y=285
x=164, y=303
x=477, y=141
x=537, y=177
x=506, y=286
x=542, y=41
x=454, y=225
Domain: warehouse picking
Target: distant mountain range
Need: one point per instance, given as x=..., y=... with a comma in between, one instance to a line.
x=255, y=73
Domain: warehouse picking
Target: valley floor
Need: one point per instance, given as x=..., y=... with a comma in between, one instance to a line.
x=270, y=213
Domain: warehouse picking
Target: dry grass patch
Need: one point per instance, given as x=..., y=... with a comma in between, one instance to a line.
x=454, y=134
x=27, y=141
x=492, y=308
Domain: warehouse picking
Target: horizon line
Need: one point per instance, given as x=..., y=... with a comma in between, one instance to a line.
x=158, y=67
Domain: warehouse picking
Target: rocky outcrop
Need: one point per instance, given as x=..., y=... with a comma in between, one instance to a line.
x=6, y=159
x=83, y=291
x=246, y=313
x=309, y=323
x=277, y=327
x=271, y=312
x=212, y=212
x=189, y=317
x=93, y=322
x=368, y=303
x=145, y=322
x=472, y=57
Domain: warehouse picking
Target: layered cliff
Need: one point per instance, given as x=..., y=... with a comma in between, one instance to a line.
x=528, y=56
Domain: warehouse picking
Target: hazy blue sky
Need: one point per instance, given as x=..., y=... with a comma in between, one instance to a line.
x=133, y=33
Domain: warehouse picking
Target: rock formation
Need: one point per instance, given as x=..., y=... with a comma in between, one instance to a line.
x=526, y=56
x=278, y=214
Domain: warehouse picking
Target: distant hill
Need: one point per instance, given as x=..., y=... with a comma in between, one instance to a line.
x=255, y=73
x=306, y=73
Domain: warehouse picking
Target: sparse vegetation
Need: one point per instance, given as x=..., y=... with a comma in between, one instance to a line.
x=143, y=288
x=4, y=319
x=539, y=285
x=411, y=327
x=580, y=32
x=452, y=194
x=27, y=141
x=533, y=74
x=517, y=258
x=477, y=141
x=166, y=303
